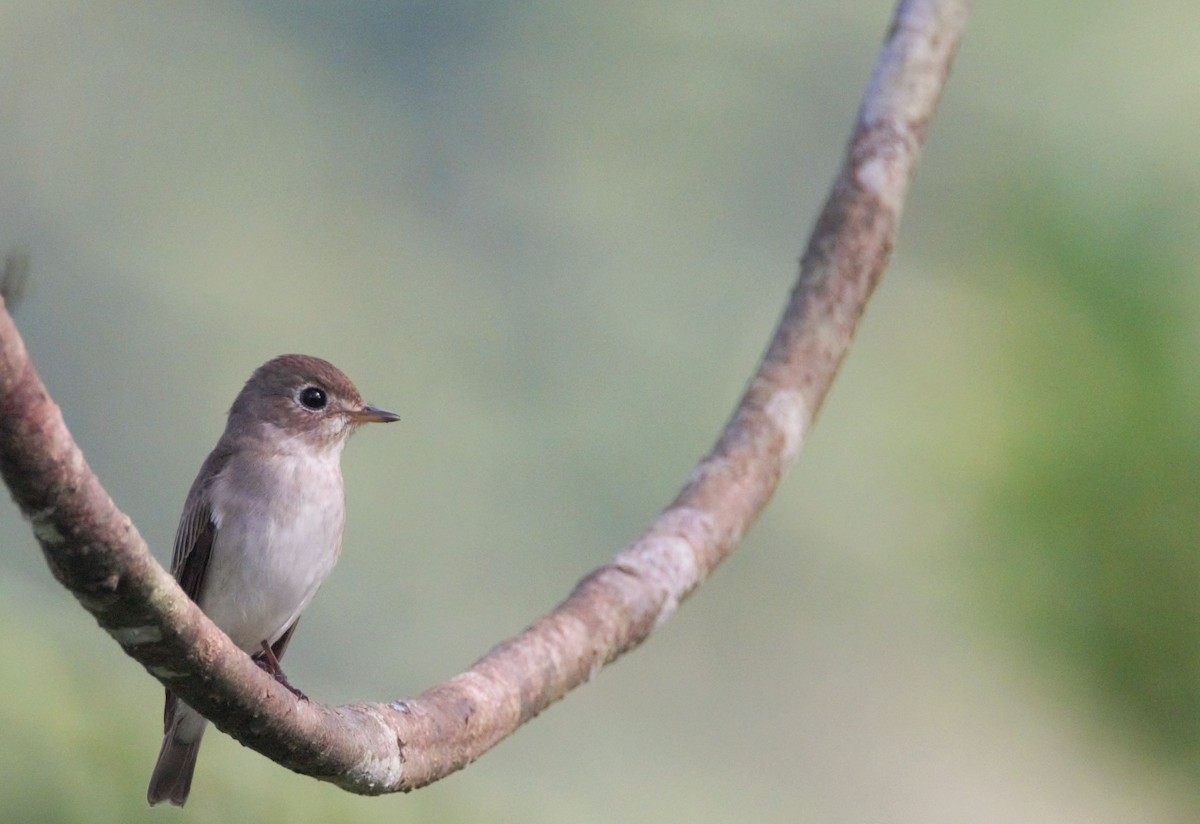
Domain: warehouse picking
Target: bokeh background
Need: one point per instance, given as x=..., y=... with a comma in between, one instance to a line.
x=555, y=237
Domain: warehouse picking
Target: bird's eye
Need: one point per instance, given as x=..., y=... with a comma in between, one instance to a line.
x=313, y=397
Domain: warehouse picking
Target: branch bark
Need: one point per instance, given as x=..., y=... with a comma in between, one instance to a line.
x=95, y=551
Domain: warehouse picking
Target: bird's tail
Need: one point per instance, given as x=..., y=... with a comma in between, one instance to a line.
x=172, y=777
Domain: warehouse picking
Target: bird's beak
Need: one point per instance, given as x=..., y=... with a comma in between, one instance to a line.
x=373, y=414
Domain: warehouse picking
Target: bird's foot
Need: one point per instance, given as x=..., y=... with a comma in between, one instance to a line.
x=267, y=661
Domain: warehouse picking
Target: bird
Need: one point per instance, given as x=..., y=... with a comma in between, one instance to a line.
x=261, y=527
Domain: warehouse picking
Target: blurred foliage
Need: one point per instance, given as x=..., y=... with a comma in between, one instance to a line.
x=1098, y=525
x=14, y=278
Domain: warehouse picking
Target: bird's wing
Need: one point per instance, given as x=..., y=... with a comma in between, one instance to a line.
x=197, y=530
x=193, y=547
x=281, y=645
x=194, y=538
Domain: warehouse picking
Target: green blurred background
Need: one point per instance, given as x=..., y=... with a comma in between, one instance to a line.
x=554, y=237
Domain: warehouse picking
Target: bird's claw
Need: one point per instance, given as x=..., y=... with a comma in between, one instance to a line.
x=267, y=662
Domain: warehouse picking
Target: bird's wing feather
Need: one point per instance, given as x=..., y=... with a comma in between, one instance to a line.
x=193, y=546
x=197, y=530
x=191, y=558
x=281, y=645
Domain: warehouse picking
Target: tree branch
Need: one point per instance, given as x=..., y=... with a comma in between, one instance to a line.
x=95, y=551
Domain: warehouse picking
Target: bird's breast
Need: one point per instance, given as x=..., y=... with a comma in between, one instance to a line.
x=279, y=523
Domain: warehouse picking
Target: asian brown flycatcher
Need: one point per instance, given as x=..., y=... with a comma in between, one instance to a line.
x=262, y=526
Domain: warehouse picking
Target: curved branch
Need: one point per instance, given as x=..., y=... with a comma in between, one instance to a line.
x=95, y=551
